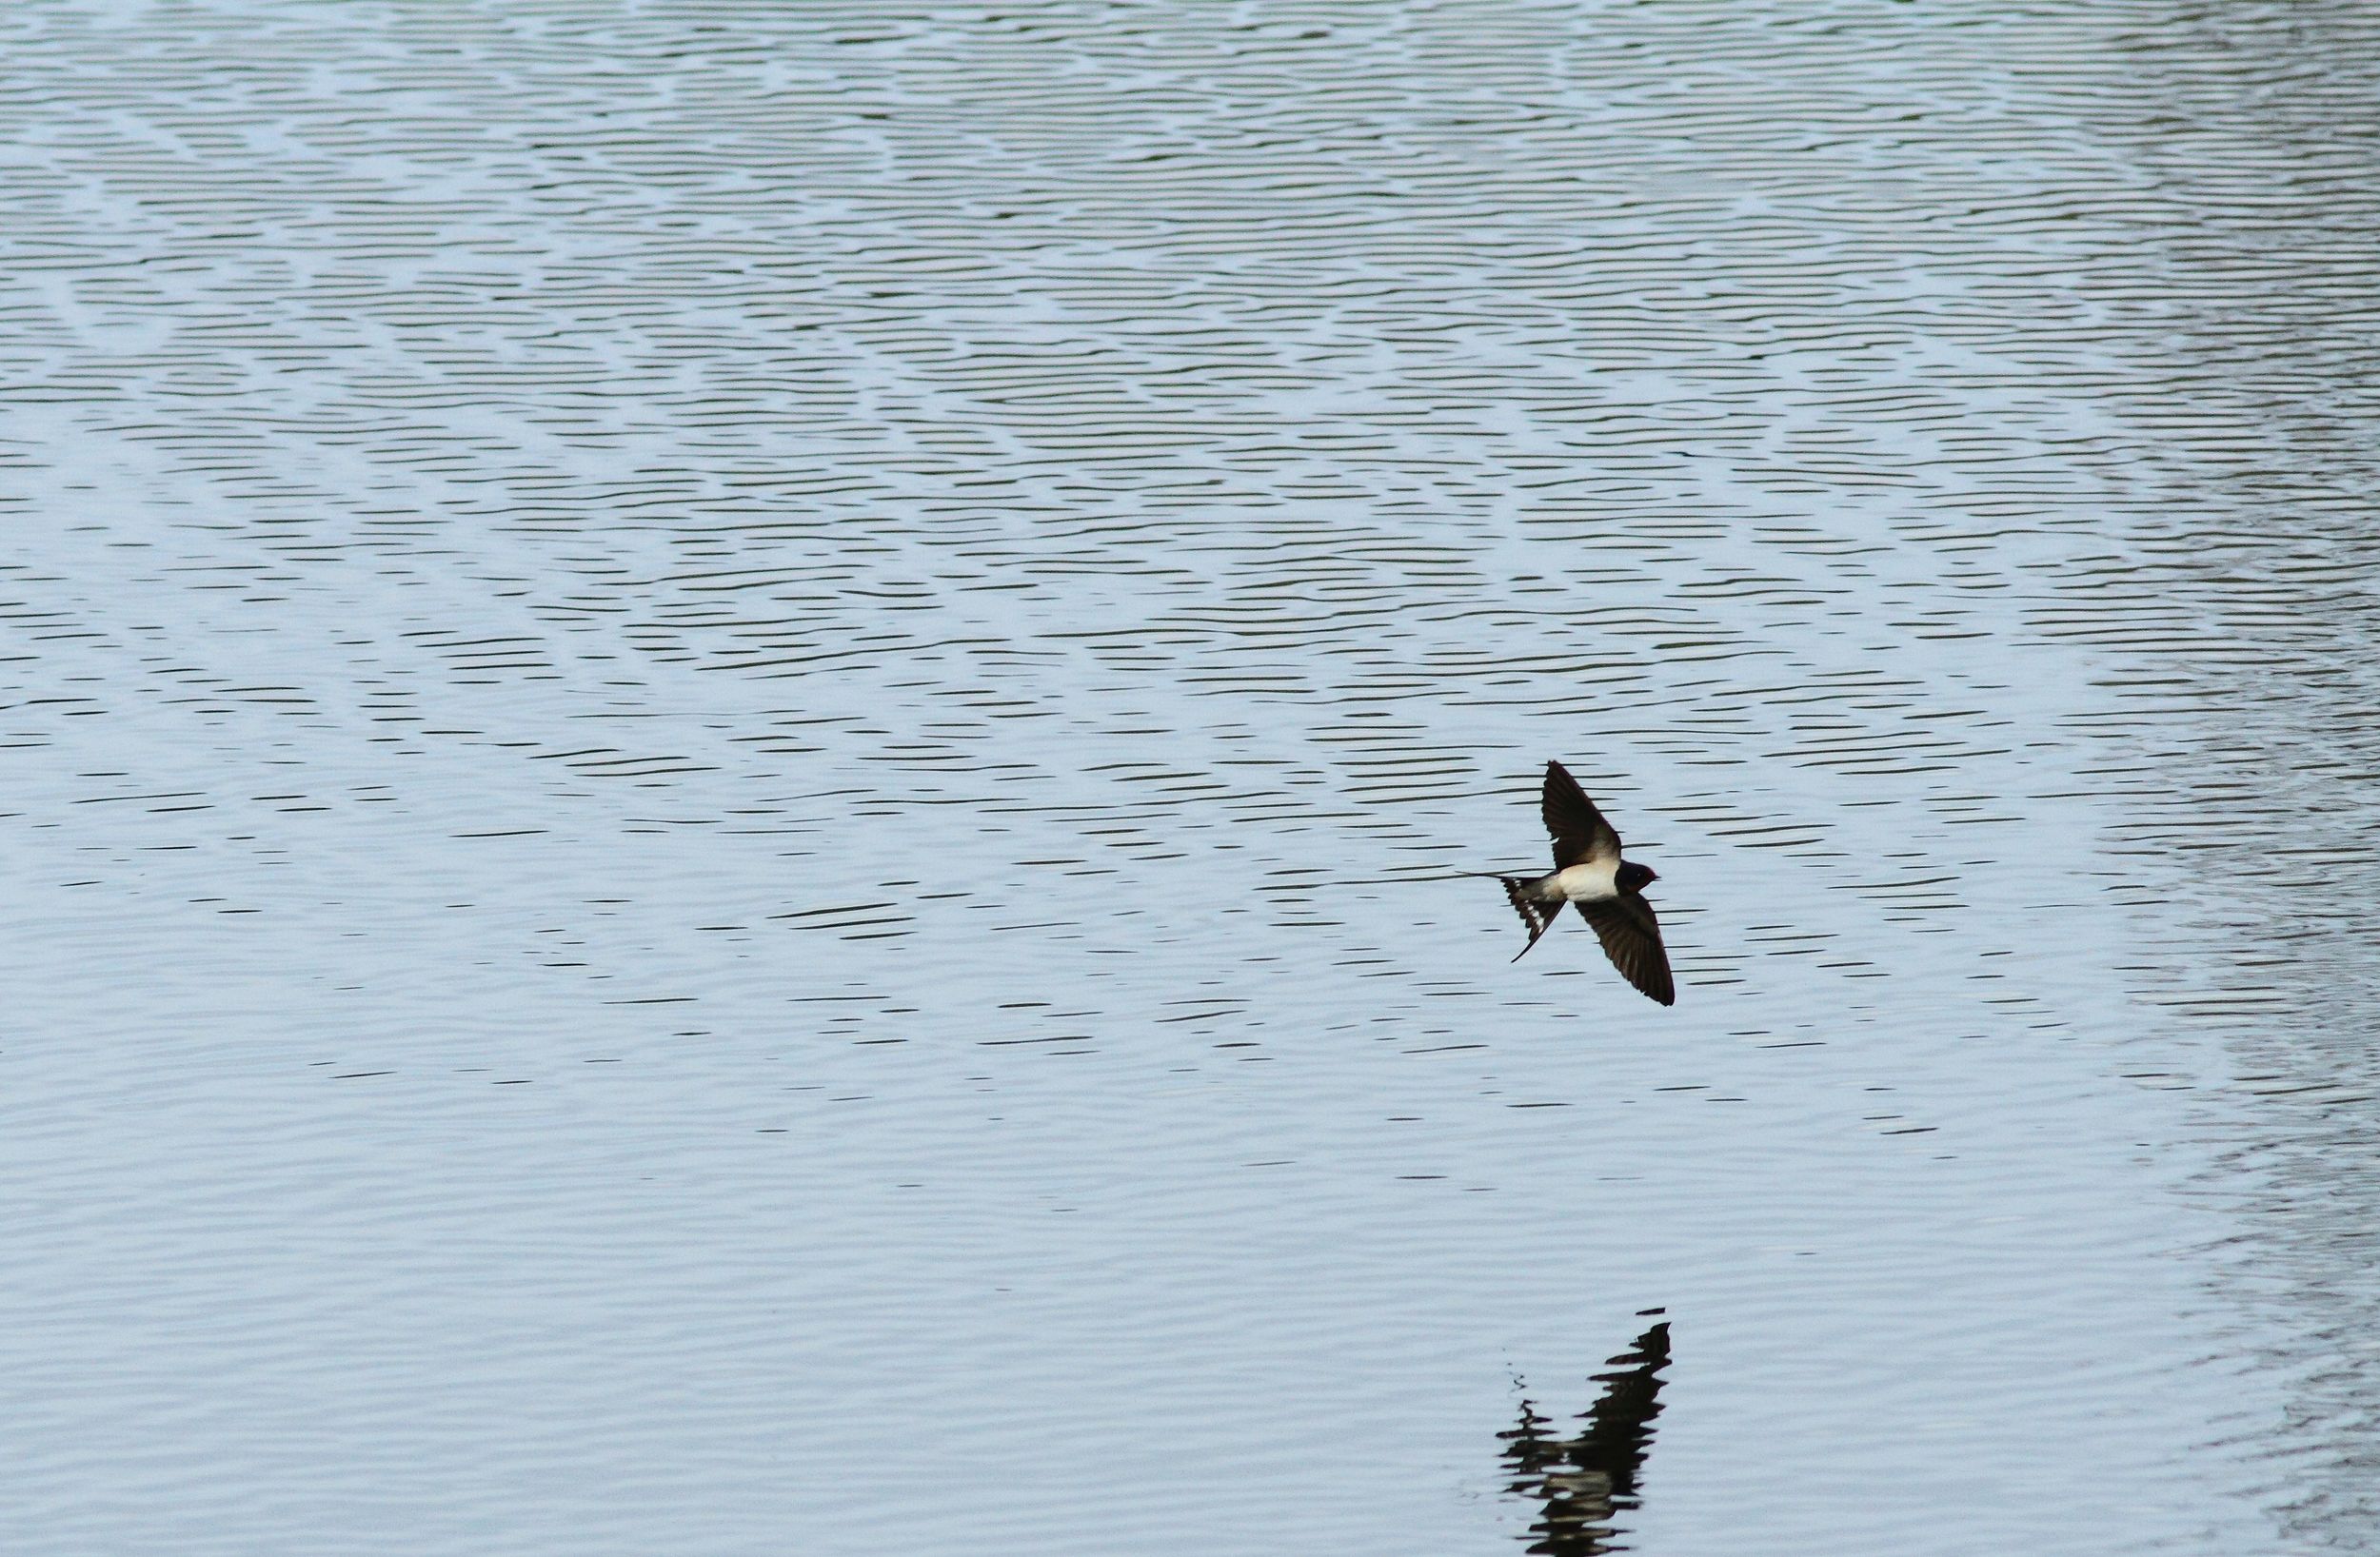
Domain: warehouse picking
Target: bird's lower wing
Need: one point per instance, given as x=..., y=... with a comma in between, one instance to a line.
x=1632, y=939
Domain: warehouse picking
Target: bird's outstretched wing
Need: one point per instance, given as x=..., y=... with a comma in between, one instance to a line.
x=1632, y=939
x=1581, y=834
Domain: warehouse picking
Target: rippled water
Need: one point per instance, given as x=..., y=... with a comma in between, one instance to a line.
x=736, y=740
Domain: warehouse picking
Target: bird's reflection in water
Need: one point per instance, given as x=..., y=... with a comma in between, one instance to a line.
x=1584, y=1481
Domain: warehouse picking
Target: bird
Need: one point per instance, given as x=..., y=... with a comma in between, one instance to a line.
x=1609, y=891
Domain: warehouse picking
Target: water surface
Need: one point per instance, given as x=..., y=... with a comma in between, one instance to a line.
x=736, y=741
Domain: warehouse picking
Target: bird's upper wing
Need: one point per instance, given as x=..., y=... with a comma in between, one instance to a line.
x=1580, y=831
x=1632, y=939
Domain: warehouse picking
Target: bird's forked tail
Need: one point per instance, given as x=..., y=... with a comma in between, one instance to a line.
x=1537, y=915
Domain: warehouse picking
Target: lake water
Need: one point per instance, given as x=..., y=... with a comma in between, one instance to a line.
x=737, y=739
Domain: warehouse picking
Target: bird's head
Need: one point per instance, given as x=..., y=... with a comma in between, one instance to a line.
x=1633, y=876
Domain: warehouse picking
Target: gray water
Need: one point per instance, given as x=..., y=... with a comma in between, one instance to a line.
x=736, y=738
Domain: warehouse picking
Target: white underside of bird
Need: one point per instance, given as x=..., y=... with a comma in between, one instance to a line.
x=1585, y=881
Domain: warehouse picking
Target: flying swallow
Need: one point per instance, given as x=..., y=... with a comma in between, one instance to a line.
x=1609, y=891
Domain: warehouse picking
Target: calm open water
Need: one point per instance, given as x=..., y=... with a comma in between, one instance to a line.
x=734, y=739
